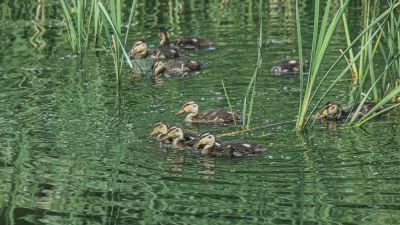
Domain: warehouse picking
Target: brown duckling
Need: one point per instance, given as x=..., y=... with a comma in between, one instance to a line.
x=180, y=138
x=237, y=148
x=140, y=51
x=289, y=66
x=211, y=116
x=186, y=42
x=178, y=67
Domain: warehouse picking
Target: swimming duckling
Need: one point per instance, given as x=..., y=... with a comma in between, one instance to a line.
x=237, y=148
x=211, y=116
x=140, y=51
x=186, y=42
x=289, y=66
x=180, y=139
x=177, y=67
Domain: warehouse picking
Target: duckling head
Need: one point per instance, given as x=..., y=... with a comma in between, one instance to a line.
x=206, y=139
x=331, y=109
x=159, y=128
x=157, y=67
x=139, y=47
x=189, y=106
x=163, y=34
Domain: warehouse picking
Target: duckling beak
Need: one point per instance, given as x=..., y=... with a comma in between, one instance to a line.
x=152, y=133
x=179, y=112
x=198, y=145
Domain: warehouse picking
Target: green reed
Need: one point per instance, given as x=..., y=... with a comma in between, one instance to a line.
x=228, y=99
x=321, y=40
x=246, y=117
x=78, y=16
x=382, y=88
x=118, y=46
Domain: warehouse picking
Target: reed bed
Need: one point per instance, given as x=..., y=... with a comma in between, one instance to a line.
x=367, y=85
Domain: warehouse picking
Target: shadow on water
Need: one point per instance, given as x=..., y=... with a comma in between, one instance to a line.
x=74, y=148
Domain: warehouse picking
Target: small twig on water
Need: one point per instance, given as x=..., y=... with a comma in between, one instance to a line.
x=254, y=128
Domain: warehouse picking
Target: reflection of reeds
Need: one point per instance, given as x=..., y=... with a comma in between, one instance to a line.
x=252, y=84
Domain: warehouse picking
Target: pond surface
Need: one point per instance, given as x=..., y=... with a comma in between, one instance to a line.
x=74, y=148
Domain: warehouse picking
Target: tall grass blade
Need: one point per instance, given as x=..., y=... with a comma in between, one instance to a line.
x=229, y=101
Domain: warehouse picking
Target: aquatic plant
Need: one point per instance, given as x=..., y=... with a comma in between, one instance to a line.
x=77, y=17
x=114, y=19
x=322, y=37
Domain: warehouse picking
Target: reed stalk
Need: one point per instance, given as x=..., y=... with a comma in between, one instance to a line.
x=251, y=88
x=228, y=99
x=117, y=46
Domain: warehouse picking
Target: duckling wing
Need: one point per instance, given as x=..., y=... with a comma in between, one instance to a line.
x=221, y=115
x=190, y=138
x=192, y=41
x=240, y=148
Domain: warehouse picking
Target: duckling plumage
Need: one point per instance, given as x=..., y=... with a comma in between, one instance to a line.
x=289, y=66
x=177, y=67
x=237, y=148
x=211, y=116
x=140, y=51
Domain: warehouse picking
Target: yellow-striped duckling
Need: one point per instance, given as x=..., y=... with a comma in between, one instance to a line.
x=237, y=148
x=211, y=116
x=140, y=51
x=186, y=42
x=289, y=66
x=180, y=138
x=177, y=67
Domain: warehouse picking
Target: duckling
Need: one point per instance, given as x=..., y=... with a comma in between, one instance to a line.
x=162, y=129
x=177, y=67
x=186, y=42
x=140, y=51
x=289, y=66
x=237, y=148
x=211, y=116
x=180, y=139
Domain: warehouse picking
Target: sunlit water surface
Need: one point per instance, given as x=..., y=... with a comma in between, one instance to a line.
x=74, y=148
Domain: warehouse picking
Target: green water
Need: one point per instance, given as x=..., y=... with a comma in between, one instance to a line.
x=74, y=148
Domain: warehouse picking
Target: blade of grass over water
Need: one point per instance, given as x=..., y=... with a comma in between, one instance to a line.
x=117, y=46
x=229, y=101
x=300, y=51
